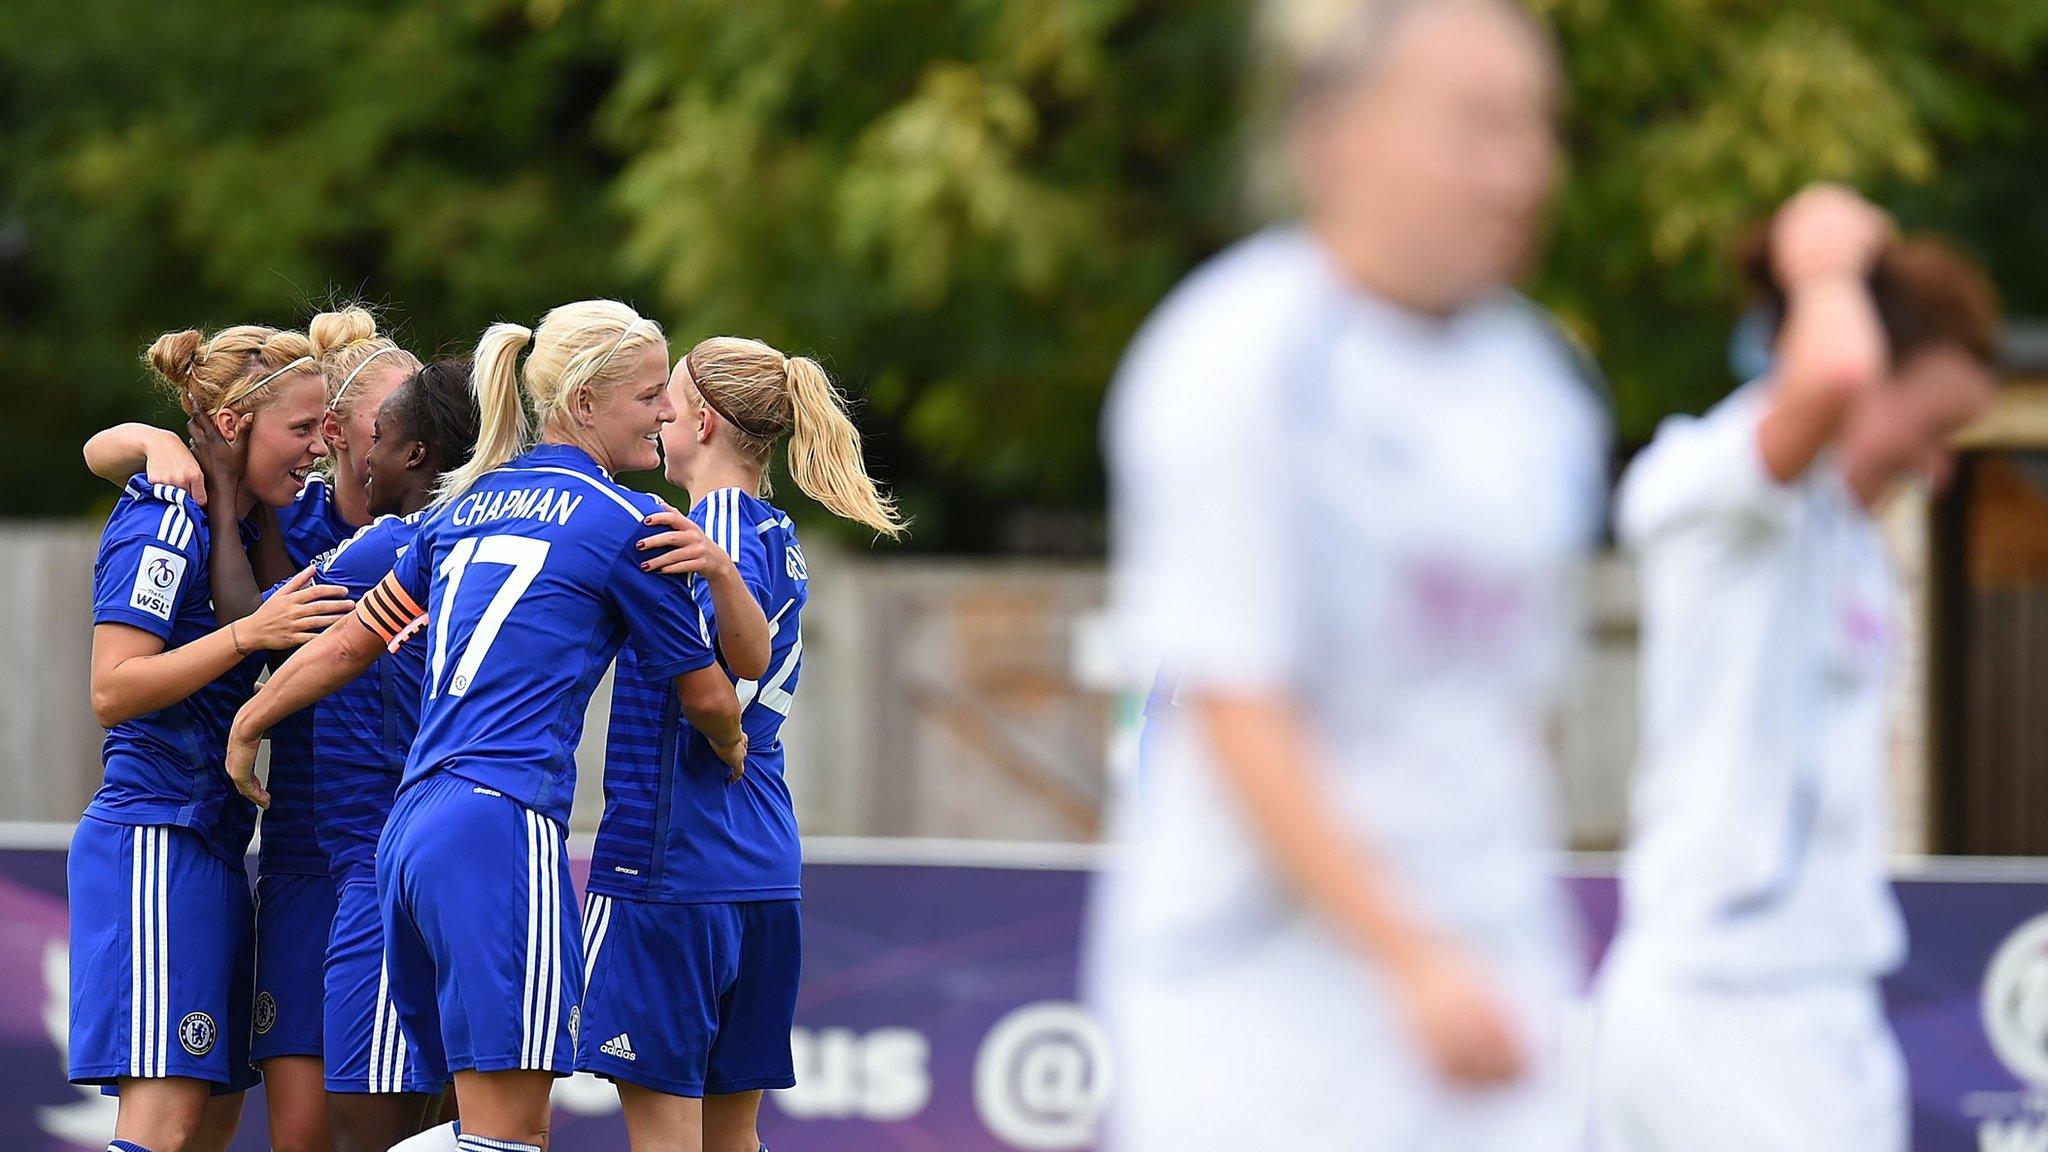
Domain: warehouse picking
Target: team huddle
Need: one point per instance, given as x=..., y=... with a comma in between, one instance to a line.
x=436, y=609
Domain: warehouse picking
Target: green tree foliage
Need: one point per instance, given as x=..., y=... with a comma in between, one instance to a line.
x=1690, y=118
x=963, y=207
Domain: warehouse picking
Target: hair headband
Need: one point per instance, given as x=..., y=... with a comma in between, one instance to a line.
x=715, y=406
x=237, y=397
x=621, y=343
x=358, y=371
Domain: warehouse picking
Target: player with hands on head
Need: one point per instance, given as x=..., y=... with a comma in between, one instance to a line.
x=1739, y=1005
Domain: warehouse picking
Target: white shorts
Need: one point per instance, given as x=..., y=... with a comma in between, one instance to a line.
x=1291, y=1045
x=1808, y=1067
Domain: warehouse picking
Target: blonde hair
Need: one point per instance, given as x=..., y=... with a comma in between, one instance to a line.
x=344, y=342
x=586, y=344
x=235, y=369
x=762, y=394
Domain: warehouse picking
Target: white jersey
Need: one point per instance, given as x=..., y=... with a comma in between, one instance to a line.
x=1768, y=629
x=1381, y=515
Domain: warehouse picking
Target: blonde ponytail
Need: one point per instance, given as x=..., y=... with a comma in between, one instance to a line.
x=502, y=428
x=762, y=394
x=824, y=452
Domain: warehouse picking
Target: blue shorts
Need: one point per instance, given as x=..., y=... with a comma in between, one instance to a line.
x=162, y=933
x=691, y=999
x=366, y=1049
x=480, y=929
x=293, y=917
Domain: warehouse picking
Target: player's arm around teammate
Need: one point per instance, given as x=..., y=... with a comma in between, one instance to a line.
x=296, y=895
x=527, y=571
x=114, y=454
x=132, y=671
x=165, y=1013
x=694, y=949
x=379, y=1087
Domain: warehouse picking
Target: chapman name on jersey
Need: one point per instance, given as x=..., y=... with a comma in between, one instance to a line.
x=535, y=583
x=543, y=504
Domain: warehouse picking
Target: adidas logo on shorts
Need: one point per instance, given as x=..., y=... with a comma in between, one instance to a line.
x=619, y=1047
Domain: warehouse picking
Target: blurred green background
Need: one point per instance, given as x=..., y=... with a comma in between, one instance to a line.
x=963, y=207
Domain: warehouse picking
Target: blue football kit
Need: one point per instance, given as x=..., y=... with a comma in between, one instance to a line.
x=361, y=734
x=692, y=933
x=296, y=898
x=161, y=922
x=519, y=592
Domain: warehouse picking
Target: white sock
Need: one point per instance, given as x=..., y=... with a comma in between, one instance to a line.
x=440, y=1139
x=468, y=1143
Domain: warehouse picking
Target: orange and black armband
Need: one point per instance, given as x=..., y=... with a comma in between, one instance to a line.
x=391, y=612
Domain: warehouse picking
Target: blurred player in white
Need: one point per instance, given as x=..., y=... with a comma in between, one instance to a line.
x=1740, y=1006
x=1353, y=475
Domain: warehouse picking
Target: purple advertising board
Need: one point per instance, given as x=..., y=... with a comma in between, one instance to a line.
x=938, y=1011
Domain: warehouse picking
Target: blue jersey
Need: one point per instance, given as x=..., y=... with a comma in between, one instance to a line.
x=312, y=522
x=674, y=829
x=312, y=525
x=530, y=582
x=362, y=732
x=168, y=767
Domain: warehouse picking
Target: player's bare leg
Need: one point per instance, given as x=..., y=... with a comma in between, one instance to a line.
x=164, y=1114
x=295, y=1087
x=219, y=1119
x=732, y=1122
x=659, y=1122
x=373, y=1122
x=508, y=1106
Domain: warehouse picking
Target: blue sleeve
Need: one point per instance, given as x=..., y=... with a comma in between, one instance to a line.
x=661, y=617
x=414, y=567
x=724, y=516
x=363, y=559
x=750, y=556
x=150, y=559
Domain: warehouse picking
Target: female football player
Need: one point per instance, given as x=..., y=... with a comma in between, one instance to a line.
x=164, y=1011
x=1353, y=477
x=692, y=944
x=1740, y=1005
x=295, y=890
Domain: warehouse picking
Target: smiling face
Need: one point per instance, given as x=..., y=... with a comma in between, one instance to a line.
x=626, y=422
x=391, y=457
x=285, y=439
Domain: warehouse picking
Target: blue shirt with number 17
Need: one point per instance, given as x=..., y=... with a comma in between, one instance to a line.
x=530, y=582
